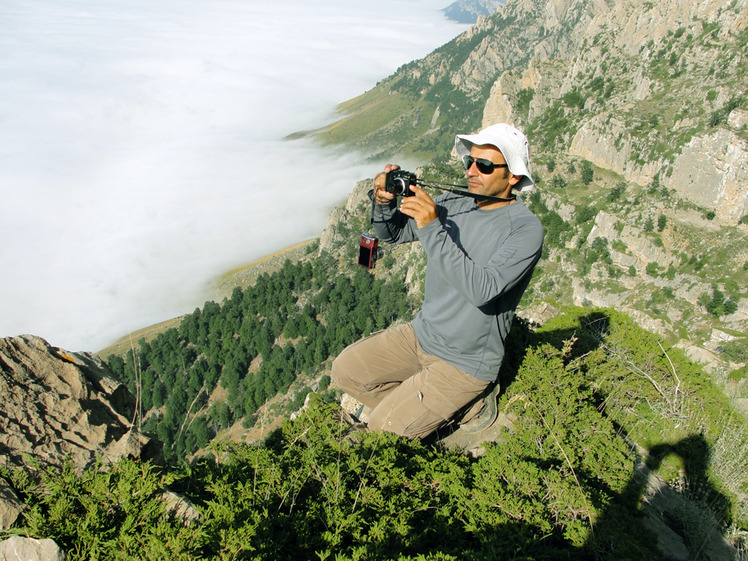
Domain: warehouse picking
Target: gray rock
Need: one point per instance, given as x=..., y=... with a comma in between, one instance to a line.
x=57, y=405
x=17, y=548
x=180, y=507
x=10, y=505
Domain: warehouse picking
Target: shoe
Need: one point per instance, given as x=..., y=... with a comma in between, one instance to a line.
x=486, y=416
x=363, y=413
x=355, y=408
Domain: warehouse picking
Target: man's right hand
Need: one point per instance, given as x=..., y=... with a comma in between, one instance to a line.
x=381, y=195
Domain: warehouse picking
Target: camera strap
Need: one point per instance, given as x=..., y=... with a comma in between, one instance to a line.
x=452, y=188
x=462, y=191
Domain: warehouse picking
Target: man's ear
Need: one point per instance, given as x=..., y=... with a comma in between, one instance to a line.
x=514, y=179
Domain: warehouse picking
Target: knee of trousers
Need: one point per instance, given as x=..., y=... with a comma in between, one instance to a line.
x=340, y=372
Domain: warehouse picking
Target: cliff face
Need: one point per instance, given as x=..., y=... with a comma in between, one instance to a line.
x=712, y=170
x=60, y=405
x=660, y=83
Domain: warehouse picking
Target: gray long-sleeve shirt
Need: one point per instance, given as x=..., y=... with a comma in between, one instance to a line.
x=479, y=264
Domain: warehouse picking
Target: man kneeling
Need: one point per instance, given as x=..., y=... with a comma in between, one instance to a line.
x=444, y=366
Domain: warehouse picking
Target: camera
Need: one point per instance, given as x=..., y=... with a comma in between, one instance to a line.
x=367, y=251
x=399, y=182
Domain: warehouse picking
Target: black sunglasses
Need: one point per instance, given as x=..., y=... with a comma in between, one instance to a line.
x=486, y=167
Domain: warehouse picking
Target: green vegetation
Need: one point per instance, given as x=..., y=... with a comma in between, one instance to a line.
x=720, y=115
x=558, y=181
x=587, y=173
x=255, y=345
x=565, y=482
x=661, y=222
x=524, y=98
x=716, y=303
x=617, y=191
x=554, y=128
x=736, y=350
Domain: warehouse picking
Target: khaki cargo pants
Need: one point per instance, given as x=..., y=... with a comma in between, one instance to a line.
x=410, y=392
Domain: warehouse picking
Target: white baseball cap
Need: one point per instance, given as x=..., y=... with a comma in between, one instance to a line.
x=512, y=144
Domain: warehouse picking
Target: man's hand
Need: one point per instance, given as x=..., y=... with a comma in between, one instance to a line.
x=382, y=196
x=420, y=207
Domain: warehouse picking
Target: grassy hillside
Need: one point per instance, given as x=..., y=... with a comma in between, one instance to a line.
x=612, y=431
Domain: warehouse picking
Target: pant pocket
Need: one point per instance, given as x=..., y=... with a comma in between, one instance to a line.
x=436, y=402
x=436, y=411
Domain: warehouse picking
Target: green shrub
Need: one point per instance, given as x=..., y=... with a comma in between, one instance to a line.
x=585, y=213
x=588, y=173
x=735, y=350
x=558, y=181
x=108, y=512
x=617, y=191
x=562, y=482
x=717, y=304
x=661, y=222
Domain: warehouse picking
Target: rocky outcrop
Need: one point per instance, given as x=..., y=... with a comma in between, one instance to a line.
x=10, y=505
x=59, y=405
x=640, y=120
x=712, y=171
x=640, y=251
x=17, y=548
x=603, y=140
x=331, y=237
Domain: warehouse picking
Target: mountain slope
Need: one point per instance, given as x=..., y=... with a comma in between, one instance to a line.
x=637, y=87
x=637, y=114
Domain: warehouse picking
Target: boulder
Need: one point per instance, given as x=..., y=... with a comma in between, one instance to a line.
x=58, y=405
x=10, y=505
x=17, y=548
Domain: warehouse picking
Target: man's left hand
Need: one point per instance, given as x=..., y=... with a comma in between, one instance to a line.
x=420, y=207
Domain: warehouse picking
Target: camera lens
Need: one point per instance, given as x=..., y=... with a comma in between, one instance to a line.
x=398, y=183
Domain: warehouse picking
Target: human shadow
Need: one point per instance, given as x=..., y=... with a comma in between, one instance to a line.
x=685, y=518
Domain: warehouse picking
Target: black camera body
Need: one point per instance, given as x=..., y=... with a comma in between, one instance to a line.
x=368, y=250
x=399, y=181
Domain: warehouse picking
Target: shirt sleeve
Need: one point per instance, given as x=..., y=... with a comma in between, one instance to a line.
x=391, y=225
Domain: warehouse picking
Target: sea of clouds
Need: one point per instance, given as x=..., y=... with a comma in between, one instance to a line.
x=142, y=151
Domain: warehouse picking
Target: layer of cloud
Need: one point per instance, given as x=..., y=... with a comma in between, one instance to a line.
x=141, y=151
